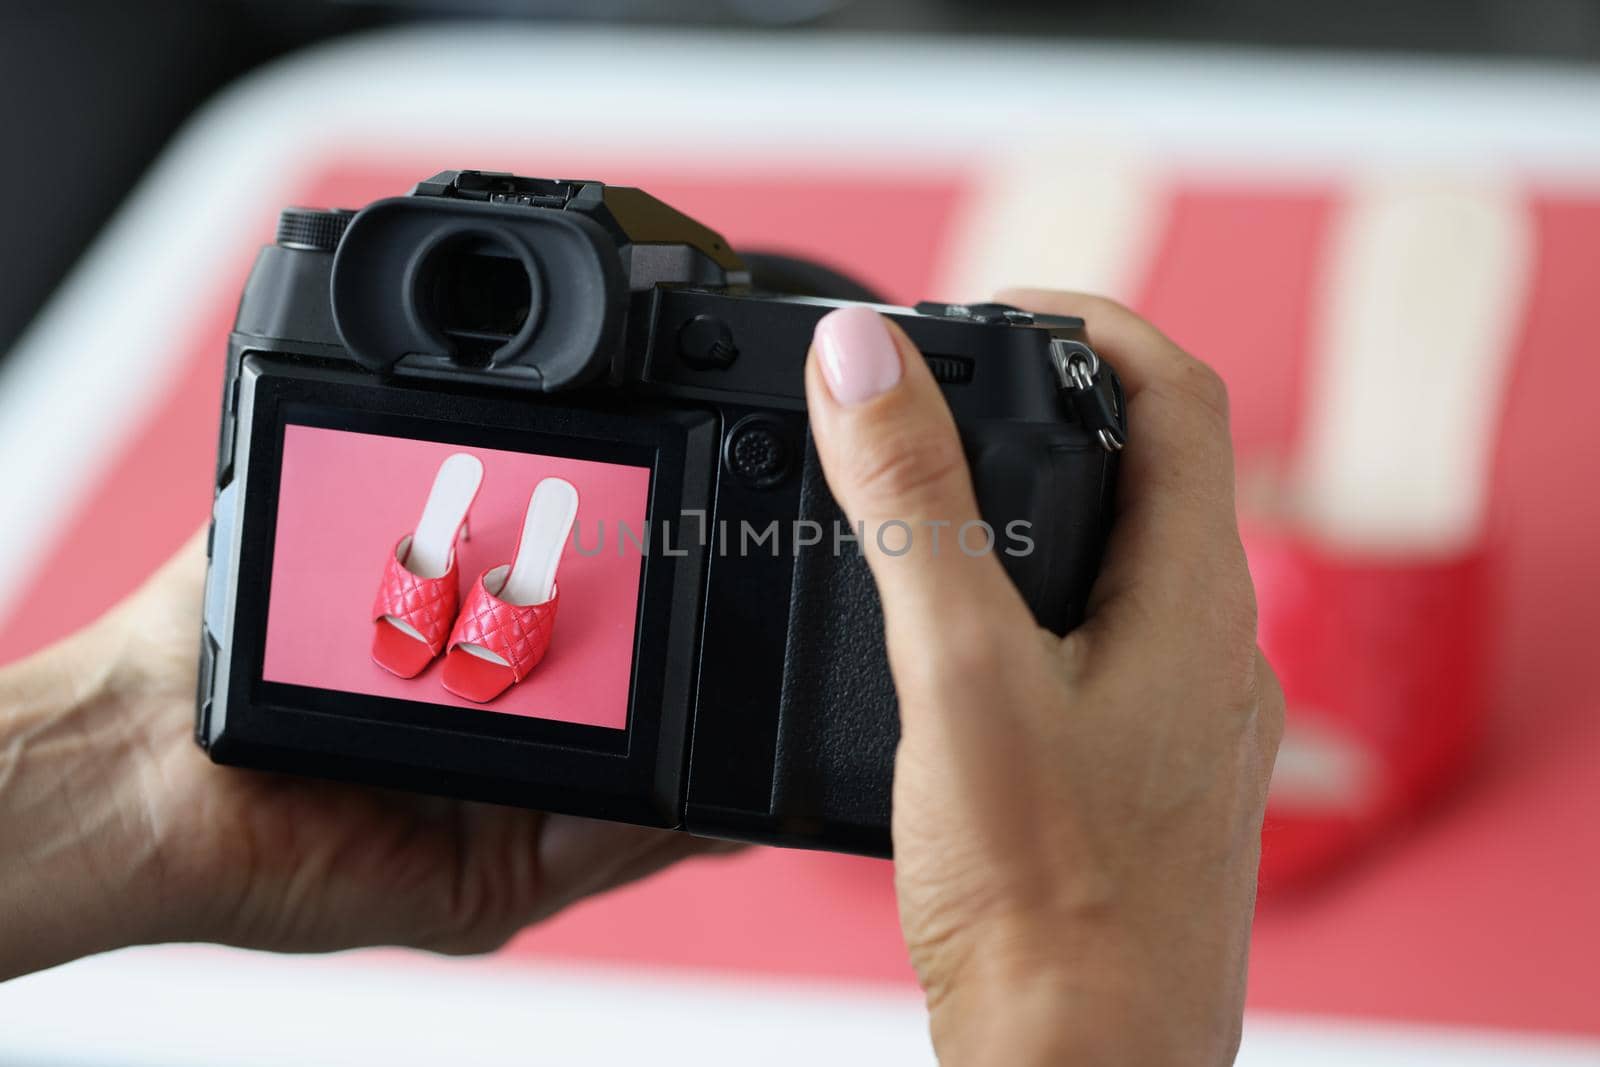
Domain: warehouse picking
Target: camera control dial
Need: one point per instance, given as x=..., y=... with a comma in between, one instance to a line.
x=312, y=229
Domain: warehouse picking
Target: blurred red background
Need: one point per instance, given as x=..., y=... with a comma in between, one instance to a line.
x=1478, y=911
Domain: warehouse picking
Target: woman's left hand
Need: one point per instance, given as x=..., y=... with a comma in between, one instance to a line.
x=118, y=830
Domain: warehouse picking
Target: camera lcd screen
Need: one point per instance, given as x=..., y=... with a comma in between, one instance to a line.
x=345, y=501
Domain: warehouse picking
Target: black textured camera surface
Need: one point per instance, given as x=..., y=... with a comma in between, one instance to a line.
x=838, y=720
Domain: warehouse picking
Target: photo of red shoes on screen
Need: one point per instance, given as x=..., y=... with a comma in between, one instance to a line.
x=478, y=577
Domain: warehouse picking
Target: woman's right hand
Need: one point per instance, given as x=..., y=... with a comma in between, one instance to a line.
x=1076, y=821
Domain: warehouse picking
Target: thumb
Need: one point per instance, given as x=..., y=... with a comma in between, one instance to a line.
x=894, y=462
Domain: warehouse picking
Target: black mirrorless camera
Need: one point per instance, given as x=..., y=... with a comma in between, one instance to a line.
x=515, y=502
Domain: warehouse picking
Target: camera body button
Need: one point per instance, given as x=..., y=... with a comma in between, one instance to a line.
x=757, y=451
x=705, y=342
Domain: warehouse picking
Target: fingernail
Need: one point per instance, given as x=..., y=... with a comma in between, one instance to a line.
x=859, y=358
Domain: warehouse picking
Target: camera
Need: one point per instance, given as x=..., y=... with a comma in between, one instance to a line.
x=515, y=502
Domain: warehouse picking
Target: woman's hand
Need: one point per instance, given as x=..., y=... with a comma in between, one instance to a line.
x=1076, y=821
x=117, y=830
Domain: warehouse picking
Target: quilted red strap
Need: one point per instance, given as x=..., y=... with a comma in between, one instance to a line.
x=519, y=635
x=428, y=604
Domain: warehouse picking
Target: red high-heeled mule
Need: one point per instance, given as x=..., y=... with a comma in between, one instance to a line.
x=420, y=592
x=506, y=620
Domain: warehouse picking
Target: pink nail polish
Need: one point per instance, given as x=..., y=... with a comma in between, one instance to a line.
x=859, y=358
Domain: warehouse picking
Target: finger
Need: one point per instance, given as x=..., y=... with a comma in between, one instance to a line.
x=1146, y=354
x=1176, y=546
x=579, y=857
x=892, y=457
x=676, y=848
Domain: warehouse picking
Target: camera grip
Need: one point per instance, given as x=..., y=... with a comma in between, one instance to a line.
x=838, y=719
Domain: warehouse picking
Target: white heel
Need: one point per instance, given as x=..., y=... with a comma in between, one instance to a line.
x=420, y=591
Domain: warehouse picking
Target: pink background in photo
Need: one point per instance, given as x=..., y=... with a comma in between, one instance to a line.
x=346, y=498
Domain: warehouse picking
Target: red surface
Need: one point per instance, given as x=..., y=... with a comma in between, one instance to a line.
x=1232, y=282
x=1484, y=911
x=346, y=498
